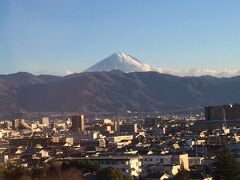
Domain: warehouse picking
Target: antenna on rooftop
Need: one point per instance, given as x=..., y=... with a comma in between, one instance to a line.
x=224, y=118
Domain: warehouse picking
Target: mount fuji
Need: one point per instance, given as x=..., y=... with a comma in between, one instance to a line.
x=120, y=61
x=127, y=63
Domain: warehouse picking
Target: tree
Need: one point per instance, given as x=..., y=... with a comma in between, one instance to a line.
x=1, y=172
x=84, y=165
x=110, y=174
x=226, y=166
x=13, y=171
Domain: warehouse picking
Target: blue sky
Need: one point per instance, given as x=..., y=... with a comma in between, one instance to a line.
x=52, y=36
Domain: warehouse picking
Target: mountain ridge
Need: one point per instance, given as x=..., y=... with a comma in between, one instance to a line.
x=116, y=91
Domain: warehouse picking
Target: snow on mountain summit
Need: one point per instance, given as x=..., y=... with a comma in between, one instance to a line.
x=120, y=61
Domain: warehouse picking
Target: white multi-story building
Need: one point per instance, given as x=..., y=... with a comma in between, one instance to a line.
x=116, y=139
x=129, y=165
x=164, y=163
x=120, y=141
x=157, y=159
x=173, y=159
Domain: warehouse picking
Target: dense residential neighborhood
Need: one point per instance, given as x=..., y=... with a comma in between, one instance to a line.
x=140, y=146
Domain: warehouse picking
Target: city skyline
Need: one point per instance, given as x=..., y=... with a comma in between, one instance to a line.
x=60, y=37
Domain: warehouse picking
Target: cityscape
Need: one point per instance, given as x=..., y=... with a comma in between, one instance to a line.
x=119, y=90
x=140, y=145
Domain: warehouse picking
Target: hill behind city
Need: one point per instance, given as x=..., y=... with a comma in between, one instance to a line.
x=114, y=91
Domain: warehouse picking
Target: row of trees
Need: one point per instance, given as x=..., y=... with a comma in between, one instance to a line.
x=53, y=170
x=74, y=170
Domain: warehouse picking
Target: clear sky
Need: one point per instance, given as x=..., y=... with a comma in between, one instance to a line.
x=52, y=36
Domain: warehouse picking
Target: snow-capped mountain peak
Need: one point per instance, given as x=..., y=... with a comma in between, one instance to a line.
x=120, y=61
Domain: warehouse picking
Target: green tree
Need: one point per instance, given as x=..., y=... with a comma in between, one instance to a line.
x=226, y=166
x=110, y=174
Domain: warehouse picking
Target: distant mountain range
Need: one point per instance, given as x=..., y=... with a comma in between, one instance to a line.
x=114, y=91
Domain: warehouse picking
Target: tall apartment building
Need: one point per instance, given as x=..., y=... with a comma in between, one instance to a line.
x=78, y=123
x=15, y=123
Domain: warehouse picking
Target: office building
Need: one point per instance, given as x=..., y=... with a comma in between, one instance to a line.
x=225, y=112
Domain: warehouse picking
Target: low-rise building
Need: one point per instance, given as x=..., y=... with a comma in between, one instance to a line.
x=195, y=161
x=129, y=165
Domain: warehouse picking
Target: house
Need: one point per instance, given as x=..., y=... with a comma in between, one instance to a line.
x=3, y=157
